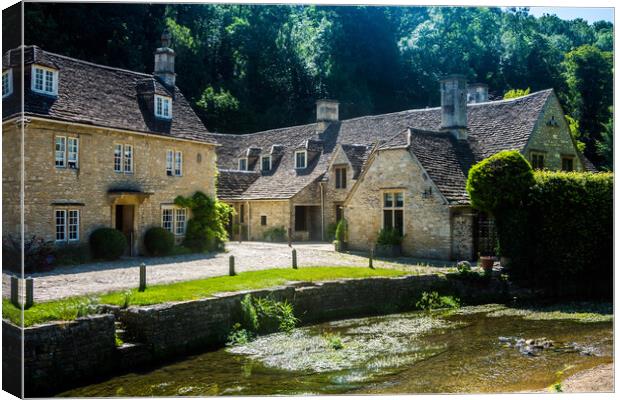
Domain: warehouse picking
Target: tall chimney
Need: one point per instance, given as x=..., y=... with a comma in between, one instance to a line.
x=454, y=105
x=164, y=61
x=477, y=93
x=326, y=112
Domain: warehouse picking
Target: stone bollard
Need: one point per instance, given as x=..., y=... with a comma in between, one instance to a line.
x=370, y=257
x=29, y=292
x=231, y=266
x=294, y=252
x=142, y=286
x=15, y=291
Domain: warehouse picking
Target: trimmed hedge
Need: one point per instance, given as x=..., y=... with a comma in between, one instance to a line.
x=158, y=241
x=557, y=230
x=107, y=243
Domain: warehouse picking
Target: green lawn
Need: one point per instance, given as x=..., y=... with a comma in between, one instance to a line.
x=70, y=308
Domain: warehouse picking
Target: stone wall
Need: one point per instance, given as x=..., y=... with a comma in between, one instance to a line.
x=333, y=196
x=462, y=224
x=11, y=178
x=426, y=219
x=48, y=187
x=11, y=359
x=277, y=213
x=552, y=137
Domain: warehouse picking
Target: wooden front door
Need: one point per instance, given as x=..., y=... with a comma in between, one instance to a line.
x=124, y=223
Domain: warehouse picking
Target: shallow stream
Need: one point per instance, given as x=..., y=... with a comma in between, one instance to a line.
x=470, y=350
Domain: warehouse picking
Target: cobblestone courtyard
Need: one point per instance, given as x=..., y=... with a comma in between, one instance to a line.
x=249, y=256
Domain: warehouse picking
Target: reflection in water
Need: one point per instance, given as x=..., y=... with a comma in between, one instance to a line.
x=401, y=353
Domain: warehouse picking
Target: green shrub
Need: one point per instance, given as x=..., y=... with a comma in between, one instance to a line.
x=341, y=230
x=107, y=243
x=275, y=234
x=72, y=254
x=389, y=237
x=206, y=230
x=239, y=335
x=158, y=241
x=432, y=300
x=334, y=340
x=330, y=232
x=266, y=315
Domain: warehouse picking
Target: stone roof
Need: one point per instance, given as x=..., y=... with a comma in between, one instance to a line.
x=492, y=126
x=231, y=184
x=102, y=96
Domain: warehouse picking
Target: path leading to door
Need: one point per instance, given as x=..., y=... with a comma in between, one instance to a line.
x=249, y=256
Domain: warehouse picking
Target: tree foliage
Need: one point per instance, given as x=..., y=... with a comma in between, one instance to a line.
x=253, y=67
x=206, y=229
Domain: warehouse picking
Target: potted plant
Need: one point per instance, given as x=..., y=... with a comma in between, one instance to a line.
x=340, y=243
x=389, y=243
x=486, y=262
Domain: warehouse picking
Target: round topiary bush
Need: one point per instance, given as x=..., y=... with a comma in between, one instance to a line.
x=107, y=243
x=499, y=182
x=158, y=241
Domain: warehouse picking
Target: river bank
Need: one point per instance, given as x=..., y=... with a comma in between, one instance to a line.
x=597, y=379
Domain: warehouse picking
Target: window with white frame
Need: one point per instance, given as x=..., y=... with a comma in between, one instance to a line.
x=66, y=152
x=60, y=148
x=300, y=159
x=243, y=164
x=163, y=107
x=118, y=158
x=266, y=163
x=128, y=159
x=174, y=219
x=67, y=225
x=72, y=152
x=7, y=82
x=44, y=80
x=174, y=163
x=393, y=209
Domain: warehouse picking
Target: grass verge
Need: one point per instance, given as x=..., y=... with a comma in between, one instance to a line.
x=70, y=308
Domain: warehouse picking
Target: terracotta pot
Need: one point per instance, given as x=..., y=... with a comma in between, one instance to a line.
x=486, y=262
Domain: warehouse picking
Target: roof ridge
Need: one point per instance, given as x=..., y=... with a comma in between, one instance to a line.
x=538, y=93
x=85, y=62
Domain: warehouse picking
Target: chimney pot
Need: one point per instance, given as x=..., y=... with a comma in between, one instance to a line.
x=454, y=105
x=164, y=61
x=477, y=93
x=326, y=112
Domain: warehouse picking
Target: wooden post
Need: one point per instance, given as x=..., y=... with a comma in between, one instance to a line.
x=142, y=277
x=15, y=291
x=231, y=266
x=29, y=292
x=294, y=259
x=370, y=256
x=290, y=237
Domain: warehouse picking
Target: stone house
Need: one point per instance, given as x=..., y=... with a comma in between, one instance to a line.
x=405, y=170
x=99, y=147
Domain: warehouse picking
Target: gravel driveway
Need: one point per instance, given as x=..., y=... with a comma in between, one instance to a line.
x=249, y=256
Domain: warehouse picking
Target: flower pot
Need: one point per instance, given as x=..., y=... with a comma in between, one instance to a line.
x=486, y=262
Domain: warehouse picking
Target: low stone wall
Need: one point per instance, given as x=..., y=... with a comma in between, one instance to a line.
x=59, y=355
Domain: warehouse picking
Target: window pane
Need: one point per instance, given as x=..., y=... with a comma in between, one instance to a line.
x=72, y=156
x=266, y=163
x=166, y=108
x=158, y=106
x=243, y=164
x=60, y=151
x=178, y=164
x=343, y=178
x=300, y=160
x=166, y=219
x=387, y=219
x=180, y=221
x=128, y=163
x=60, y=225
x=399, y=199
x=388, y=200
x=118, y=152
x=398, y=221
x=169, y=162
x=38, y=79
x=49, y=81
x=6, y=83
x=74, y=224
x=263, y=220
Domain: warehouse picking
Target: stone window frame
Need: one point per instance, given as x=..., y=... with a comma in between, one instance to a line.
x=7, y=82
x=262, y=163
x=172, y=224
x=245, y=161
x=567, y=157
x=263, y=220
x=342, y=182
x=163, y=107
x=537, y=153
x=47, y=74
x=67, y=161
x=67, y=224
x=305, y=159
x=393, y=208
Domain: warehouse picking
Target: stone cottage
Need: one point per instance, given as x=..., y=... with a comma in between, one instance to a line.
x=405, y=170
x=99, y=147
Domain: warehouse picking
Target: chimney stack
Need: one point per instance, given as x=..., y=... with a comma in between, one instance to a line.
x=164, y=61
x=477, y=93
x=326, y=112
x=454, y=105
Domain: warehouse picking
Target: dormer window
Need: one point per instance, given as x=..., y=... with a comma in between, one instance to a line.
x=163, y=107
x=7, y=82
x=265, y=163
x=44, y=80
x=243, y=164
x=301, y=159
